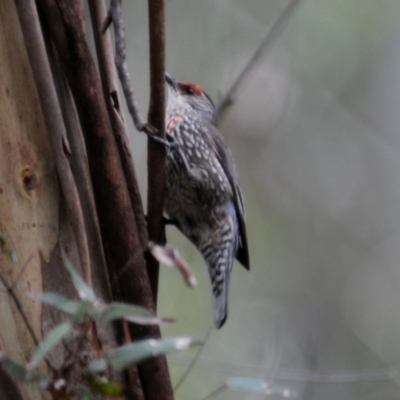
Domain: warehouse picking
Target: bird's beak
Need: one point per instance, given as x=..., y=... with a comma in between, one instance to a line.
x=171, y=81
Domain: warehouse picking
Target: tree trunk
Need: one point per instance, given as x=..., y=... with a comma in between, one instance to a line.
x=56, y=139
x=34, y=223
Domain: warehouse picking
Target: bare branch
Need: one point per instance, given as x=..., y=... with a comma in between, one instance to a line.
x=194, y=360
x=216, y=392
x=156, y=153
x=9, y=289
x=110, y=89
x=156, y=159
x=265, y=43
x=115, y=16
x=21, y=312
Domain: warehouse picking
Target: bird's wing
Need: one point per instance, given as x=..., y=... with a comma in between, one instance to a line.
x=227, y=162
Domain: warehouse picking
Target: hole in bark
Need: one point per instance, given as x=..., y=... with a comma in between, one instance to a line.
x=29, y=179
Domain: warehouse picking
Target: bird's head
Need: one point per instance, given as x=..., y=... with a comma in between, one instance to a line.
x=189, y=97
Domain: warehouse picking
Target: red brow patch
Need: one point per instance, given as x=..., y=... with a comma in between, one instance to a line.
x=196, y=88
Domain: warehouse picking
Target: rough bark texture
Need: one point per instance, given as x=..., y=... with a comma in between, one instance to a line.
x=34, y=222
x=156, y=152
x=29, y=204
x=109, y=80
x=122, y=244
x=35, y=216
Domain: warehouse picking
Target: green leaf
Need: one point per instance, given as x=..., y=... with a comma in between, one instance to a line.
x=96, y=366
x=19, y=372
x=107, y=388
x=258, y=386
x=133, y=353
x=135, y=314
x=79, y=309
x=121, y=310
x=59, y=301
x=85, y=292
x=52, y=339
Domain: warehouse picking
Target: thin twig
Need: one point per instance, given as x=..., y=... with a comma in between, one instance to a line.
x=135, y=388
x=156, y=154
x=263, y=46
x=24, y=317
x=23, y=269
x=10, y=290
x=109, y=81
x=156, y=124
x=194, y=360
x=151, y=383
x=54, y=123
x=216, y=392
x=114, y=15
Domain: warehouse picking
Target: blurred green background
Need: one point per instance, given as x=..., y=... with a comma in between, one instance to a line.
x=315, y=133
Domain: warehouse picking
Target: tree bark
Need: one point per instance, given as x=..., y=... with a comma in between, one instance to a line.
x=123, y=248
x=29, y=204
x=38, y=214
x=156, y=160
x=34, y=221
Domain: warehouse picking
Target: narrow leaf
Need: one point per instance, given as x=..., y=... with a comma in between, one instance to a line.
x=131, y=313
x=96, y=366
x=133, y=353
x=171, y=258
x=52, y=339
x=121, y=310
x=85, y=292
x=59, y=301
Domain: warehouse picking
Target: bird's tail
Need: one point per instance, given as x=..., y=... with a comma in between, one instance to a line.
x=219, y=250
x=220, y=297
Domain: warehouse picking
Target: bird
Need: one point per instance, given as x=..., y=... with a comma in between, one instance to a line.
x=202, y=195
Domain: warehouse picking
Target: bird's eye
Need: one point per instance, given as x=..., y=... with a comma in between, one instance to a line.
x=190, y=89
